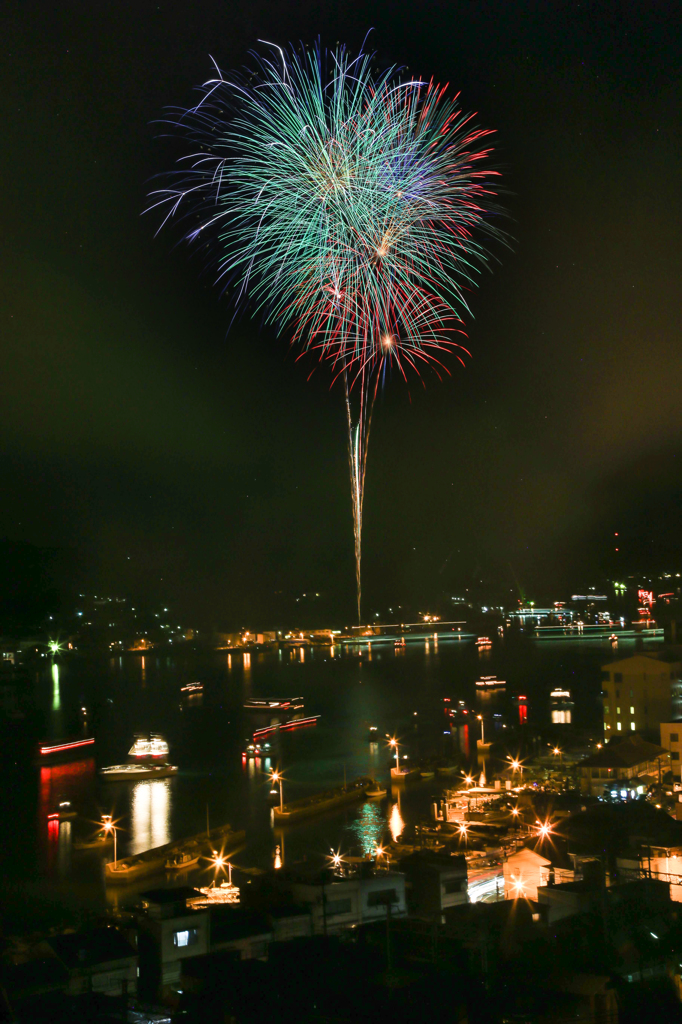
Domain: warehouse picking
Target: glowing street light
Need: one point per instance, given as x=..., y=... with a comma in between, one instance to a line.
x=544, y=830
x=110, y=827
x=276, y=776
x=392, y=742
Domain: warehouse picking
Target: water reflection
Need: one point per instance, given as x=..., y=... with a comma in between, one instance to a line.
x=395, y=822
x=150, y=814
x=368, y=828
x=56, y=696
x=143, y=665
x=229, y=662
x=64, y=848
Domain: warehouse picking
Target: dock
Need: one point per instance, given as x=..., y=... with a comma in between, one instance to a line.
x=152, y=862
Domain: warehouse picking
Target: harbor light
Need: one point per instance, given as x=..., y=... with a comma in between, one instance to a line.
x=110, y=827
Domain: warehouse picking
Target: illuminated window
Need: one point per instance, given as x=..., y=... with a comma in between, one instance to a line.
x=632, y=726
x=617, y=711
x=606, y=709
x=618, y=726
x=187, y=937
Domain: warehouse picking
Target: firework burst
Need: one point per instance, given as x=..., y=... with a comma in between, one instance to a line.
x=346, y=206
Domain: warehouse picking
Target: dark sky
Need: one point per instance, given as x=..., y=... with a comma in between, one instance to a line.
x=166, y=455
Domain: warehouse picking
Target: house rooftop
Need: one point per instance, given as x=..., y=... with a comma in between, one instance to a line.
x=626, y=753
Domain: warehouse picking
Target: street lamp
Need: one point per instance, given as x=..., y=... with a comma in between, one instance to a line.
x=276, y=776
x=394, y=743
x=110, y=827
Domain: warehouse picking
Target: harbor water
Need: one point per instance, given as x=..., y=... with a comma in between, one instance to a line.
x=401, y=691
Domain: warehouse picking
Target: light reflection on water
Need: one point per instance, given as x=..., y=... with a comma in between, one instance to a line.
x=395, y=822
x=150, y=814
x=56, y=697
x=368, y=828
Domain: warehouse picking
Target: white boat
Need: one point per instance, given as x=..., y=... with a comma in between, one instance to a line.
x=191, y=688
x=149, y=746
x=404, y=774
x=135, y=772
x=490, y=682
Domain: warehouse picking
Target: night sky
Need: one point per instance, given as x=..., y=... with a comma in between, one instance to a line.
x=159, y=454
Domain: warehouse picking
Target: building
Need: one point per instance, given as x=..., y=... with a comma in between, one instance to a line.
x=169, y=932
x=640, y=692
x=435, y=882
x=671, y=740
x=623, y=770
x=334, y=901
x=101, y=960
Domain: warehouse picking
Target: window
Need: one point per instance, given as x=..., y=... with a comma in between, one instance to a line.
x=617, y=711
x=617, y=693
x=618, y=726
x=187, y=937
x=674, y=737
x=454, y=886
x=675, y=755
x=632, y=711
x=632, y=726
x=382, y=897
x=338, y=907
x=606, y=675
x=618, y=677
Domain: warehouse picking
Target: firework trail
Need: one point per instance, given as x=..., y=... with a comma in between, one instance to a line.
x=345, y=206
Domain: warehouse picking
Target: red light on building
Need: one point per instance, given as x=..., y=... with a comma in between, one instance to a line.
x=646, y=596
x=523, y=713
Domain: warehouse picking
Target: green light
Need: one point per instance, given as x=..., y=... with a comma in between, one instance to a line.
x=54, y=646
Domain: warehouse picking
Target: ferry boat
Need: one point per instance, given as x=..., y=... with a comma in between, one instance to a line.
x=257, y=750
x=190, y=689
x=400, y=642
x=135, y=772
x=151, y=746
x=483, y=642
x=490, y=682
x=283, y=705
x=68, y=750
x=373, y=734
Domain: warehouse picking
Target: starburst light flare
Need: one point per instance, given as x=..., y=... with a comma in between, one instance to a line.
x=342, y=203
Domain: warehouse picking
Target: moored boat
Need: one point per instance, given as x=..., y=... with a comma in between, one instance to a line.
x=135, y=772
x=182, y=861
x=404, y=774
